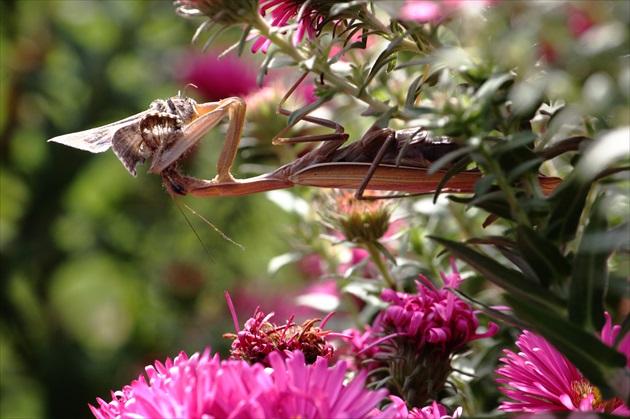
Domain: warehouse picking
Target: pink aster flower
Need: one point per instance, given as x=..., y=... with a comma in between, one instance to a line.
x=282, y=11
x=434, y=316
x=541, y=379
x=415, y=338
x=204, y=387
x=398, y=410
x=361, y=349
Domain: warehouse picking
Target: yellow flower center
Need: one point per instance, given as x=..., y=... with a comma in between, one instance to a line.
x=583, y=388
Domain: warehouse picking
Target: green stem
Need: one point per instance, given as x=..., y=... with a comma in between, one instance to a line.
x=342, y=84
x=375, y=255
x=495, y=168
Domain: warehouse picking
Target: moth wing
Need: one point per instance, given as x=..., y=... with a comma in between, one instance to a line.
x=95, y=140
x=192, y=133
x=127, y=144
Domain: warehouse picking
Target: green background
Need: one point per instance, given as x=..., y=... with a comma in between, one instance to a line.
x=101, y=274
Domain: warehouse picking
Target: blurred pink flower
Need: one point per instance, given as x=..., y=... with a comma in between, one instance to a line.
x=541, y=379
x=203, y=386
x=361, y=349
x=578, y=20
x=218, y=79
x=398, y=410
x=435, y=10
x=421, y=10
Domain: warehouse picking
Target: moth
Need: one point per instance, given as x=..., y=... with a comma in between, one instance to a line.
x=164, y=132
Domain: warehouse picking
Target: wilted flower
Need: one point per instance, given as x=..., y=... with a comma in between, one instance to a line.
x=398, y=409
x=417, y=336
x=541, y=379
x=203, y=387
x=260, y=338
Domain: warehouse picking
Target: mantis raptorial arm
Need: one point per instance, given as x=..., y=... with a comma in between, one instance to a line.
x=171, y=127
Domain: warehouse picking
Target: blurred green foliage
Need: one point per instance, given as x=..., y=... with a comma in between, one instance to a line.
x=100, y=272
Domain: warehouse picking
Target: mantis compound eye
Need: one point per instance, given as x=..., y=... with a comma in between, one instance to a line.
x=174, y=183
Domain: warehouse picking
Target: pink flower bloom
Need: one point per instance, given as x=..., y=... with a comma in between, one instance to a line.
x=609, y=335
x=204, y=386
x=398, y=409
x=412, y=341
x=282, y=11
x=541, y=379
x=433, y=316
x=362, y=350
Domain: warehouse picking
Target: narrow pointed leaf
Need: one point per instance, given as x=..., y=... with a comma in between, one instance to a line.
x=509, y=279
x=590, y=272
x=542, y=255
x=567, y=204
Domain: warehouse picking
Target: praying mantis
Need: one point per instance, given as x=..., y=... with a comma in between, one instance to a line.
x=383, y=159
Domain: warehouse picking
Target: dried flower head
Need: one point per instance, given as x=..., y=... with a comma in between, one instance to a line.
x=224, y=12
x=260, y=338
x=540, y=379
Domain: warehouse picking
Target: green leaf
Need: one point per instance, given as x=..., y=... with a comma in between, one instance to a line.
x=599, y=363
x=454, y=155
x=519, y=261
x=262, y=71
x=385, y=58
x=494, y=203
x=510, y=280
x=543, y=256
x=519, y=170
x=298, y=114
x=491, y=86
x=569, y=198
x=243, y=40
x=567, y=203
x=516, y=142
x=563, y=146
x=590, y=272
x=457, y=168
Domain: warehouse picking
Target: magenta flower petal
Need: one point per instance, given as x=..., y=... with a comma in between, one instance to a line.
x=541, y=379
x=203, y=386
